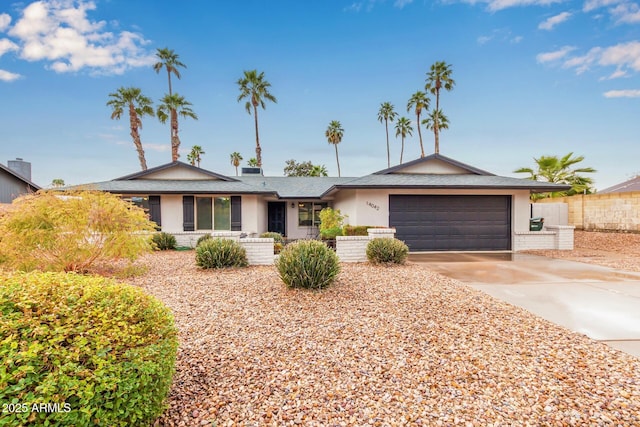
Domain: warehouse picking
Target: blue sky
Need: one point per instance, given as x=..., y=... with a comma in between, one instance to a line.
x=533, y=77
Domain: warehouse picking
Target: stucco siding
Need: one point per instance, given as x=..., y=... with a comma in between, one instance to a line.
x=179, y=173
x=434, y=167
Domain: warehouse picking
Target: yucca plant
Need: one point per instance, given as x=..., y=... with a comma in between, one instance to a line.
x=308, y=264
x=220, y=253
x=387, y=251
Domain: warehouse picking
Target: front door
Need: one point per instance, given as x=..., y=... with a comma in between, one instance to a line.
x=277, y=217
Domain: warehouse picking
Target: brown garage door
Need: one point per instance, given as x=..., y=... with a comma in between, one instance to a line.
x=452, y=223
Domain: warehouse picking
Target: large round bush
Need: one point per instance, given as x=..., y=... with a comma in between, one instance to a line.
x=308, y=264
x=387, y=251
x=103, y=352
x=220, y=253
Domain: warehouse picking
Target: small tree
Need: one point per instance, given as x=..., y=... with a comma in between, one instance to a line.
x=307, y=168
x=252, y=163
x=71, y=231
x=236, y=158
x=331, y=221
x=57, y=182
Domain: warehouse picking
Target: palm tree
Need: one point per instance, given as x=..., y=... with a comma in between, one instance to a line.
x=436, y=115
x=334, y=135
x=418, y=102
x=138, y=106
x=559, y=171
x=168, y=59
x=387, y=115
x=318, y=170
x=236, y=158
x=255, y=89
x=173, y=106
x=438, y=77
x=403, y=128
x=57, y=182
x=252, y=162
x=195, y=156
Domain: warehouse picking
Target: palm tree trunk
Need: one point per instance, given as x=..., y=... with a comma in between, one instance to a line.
x=236, y=170
x=258, y=148
x=386, y=125
x=436, y=124
x=402, y=150
x=175, y=140
x=169, y=77
x=337, y=161
x=420, y=135
x=133, y=121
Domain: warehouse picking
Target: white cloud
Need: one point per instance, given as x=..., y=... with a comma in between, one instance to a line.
x=496, y=5
x=626, y=13
x=551, y=22
x=157, y=147
x=625, y=93
x=517, y=39
x=484, y=39
x=5, y=20
x=6, y=76
x=7, y=45
x=503, y=35
x=590, y=5
x=59, y=32
x=555, y=55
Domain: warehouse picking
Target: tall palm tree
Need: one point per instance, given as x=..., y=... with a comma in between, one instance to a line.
x=560, y=171
x=236, y=158
x=334, y=135
x=168, y=59
x=436, y=115
x=403, y=128
x=418, y=102
x=195, y=156
x=139, y=106
x=171, y=107
x=387, y=115
x=255, y=89
x=438, y=77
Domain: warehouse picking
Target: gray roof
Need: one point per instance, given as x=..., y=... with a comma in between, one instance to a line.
x=142, y=174
x=630, y=185
x=167, y=186
x=450, y=181
x=296, y=187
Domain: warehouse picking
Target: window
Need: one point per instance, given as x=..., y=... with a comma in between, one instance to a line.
x=213, y=213
x=309, y=213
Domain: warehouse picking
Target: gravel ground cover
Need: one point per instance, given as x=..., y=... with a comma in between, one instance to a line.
x=382, y=347
x=617, y=250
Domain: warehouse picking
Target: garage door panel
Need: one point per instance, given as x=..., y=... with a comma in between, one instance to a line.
x=428, y=223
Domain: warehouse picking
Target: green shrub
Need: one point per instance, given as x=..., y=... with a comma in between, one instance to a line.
x=356, y=230
x=331, y=223
x=220, y=253
x=387, y=251
x=331, y=233
x=104, y=352
x=308, y=264
x=277, y=237
x=203, y=238
x=164, y=241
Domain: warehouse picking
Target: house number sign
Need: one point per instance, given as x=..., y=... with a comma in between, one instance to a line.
x=373, y=205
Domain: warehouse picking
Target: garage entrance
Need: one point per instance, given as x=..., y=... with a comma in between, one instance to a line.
x=452, y=223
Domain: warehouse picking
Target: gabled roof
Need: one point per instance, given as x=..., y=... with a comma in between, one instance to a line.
x=296, y=186
x=176, y=164
x=174, y=186
x=433, y=158
x=20, y=177
x=630, y=185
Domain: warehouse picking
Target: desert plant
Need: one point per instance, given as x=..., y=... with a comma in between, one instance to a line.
x=164, y=241
x=356, y=230
x=220, y=253
x=203, y=238
x=277, y=237
x=71, y=231
x=277, y=248
x=308, y=264
x=104, y=352
x=331, y=221
x=387, y=251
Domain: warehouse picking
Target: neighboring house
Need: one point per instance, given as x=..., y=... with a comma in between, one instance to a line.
x=15, y=180
x=434, y=203
x=624, y=187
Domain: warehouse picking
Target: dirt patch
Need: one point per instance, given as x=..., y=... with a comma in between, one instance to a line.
x=616, y=250
x=384, y=346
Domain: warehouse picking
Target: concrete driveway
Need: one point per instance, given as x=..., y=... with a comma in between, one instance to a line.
x=602, y=303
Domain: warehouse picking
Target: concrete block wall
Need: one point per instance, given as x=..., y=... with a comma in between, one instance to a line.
x=259, y=250
x=527, y=240
x=352, y=248
x=610, y=212
x=188, y=238
x=563, y=239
